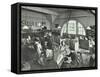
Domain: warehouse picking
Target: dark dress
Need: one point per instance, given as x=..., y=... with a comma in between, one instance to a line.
x=92, y=62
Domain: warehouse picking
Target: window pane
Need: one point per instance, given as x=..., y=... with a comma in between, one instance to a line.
x=81, y=29
x=64, y=29
x=72, y=27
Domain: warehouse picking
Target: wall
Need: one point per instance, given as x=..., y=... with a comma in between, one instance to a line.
x=33, y=18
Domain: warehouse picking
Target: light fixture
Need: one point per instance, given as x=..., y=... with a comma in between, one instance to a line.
x=59, y=27
x=88, y=28
x=25, y=27
x=39, y=24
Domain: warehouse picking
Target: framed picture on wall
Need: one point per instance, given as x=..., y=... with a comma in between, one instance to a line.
x=65, y=38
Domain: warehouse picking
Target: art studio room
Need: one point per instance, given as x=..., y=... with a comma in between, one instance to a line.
x=57, y=38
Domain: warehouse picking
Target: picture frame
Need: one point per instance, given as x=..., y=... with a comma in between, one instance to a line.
x=20, y=31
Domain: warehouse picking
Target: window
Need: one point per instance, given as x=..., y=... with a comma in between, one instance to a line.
x=73, y=27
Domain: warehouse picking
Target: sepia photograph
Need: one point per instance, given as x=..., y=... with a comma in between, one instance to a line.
x=57, y=38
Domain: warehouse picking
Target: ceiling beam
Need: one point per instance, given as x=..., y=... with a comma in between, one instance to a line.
x=41, y=10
